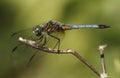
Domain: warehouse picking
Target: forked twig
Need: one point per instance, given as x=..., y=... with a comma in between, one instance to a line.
x=104, y=73
x=49, y=50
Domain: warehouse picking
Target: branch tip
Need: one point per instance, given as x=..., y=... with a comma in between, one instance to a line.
x=102, y=47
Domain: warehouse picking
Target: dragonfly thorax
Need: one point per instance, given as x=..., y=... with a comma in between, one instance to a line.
x=37, y=30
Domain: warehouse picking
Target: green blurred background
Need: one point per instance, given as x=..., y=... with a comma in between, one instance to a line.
x=20, y=14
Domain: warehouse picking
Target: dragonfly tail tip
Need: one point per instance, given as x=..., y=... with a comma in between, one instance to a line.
x=104, y=26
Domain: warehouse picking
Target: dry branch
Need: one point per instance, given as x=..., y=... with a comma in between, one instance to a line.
x=55, y=51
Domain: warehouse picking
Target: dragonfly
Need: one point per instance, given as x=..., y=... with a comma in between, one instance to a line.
x=42, y=33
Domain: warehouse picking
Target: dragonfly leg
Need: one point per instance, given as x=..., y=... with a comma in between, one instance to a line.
x=58, y=42
x=44, y=42
x=40, y=39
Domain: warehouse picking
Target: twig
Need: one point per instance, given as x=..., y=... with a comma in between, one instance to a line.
x=104, y=73
x=49, y=50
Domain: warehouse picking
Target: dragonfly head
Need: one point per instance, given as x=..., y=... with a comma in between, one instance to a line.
x=37, y=30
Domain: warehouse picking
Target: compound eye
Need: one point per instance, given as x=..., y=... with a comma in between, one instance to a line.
x=37, y=31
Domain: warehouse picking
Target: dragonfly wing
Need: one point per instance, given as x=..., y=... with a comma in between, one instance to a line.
x=21, y=53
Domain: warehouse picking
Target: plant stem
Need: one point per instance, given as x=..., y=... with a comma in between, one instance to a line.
x=55, y=51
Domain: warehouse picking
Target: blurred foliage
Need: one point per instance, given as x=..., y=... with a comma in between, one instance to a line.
x=20, y=14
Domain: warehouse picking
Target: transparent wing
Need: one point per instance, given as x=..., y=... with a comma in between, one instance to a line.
x=22, y=54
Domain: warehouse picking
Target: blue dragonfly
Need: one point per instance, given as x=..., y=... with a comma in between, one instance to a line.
x=43, y=34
